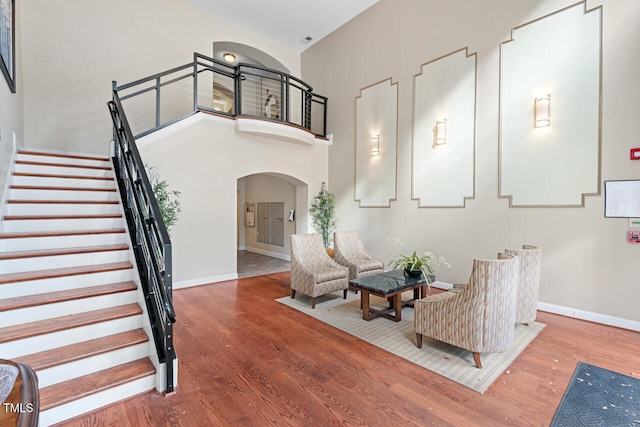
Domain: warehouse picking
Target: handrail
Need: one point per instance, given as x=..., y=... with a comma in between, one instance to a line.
x=149, y=235
x=207, y=84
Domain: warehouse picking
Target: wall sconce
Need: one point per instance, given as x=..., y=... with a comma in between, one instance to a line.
x=542, y=111
x=375, y=145
x=441, y=132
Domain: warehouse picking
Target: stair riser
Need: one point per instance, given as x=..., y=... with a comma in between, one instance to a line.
x=33, y=287
x=62, y=170
x=18, y=194
x=62, y=209
x=14, y=349
x=92, y=364
x=95, y=401
x=37, y=225
x=48, y=311
x=62, y=182
x=53, y=242
x=62, y=160
x=62, y=261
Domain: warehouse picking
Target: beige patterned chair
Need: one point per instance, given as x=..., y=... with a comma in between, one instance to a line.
x=350, y=252
x=528, y=283
x=313, y=272
x=480, y=317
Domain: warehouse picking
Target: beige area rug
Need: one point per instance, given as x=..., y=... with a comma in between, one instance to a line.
x=399, y=338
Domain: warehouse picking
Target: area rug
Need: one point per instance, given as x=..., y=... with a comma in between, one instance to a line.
x=599, y=397
x=399, y=338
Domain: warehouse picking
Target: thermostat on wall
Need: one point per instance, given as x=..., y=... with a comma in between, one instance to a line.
x=633, y=236
x=634, y=222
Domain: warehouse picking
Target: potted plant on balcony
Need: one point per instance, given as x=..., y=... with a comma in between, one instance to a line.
x=323, y=215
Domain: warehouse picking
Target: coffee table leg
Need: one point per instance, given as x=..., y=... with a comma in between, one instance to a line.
x=398, y=307
x=364, y=302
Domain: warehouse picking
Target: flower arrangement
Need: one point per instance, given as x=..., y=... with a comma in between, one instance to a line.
x=410, y=264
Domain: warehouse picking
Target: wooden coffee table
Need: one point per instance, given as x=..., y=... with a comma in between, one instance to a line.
x=390, y=285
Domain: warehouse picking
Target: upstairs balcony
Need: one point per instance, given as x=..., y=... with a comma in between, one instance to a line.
x=242, y=91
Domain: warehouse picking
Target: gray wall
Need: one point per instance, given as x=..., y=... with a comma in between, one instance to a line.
x=587, y=264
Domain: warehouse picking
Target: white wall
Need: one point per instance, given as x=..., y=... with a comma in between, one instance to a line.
x=73, y=49
x=587, y=264
x=203, y=157
x=10, y=111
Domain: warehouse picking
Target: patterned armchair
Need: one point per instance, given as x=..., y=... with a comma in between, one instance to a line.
x=313, y=272
x=480, y=317
x=350, y=252
x=528, y=283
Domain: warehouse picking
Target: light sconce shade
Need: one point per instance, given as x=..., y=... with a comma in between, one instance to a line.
x=375, y=145
x=542, y=111
x=441, y=132
x=229, y=57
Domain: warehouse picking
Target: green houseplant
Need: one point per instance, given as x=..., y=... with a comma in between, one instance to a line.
x=415, y=265
x=323, y=214
x=168, y=200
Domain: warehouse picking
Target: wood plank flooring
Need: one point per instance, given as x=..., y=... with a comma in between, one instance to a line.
x=246, y=360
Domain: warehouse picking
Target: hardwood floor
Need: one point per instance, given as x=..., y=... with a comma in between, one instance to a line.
x=247, y=360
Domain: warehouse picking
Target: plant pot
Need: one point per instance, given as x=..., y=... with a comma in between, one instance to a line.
x=412, y=273
x=330, y=252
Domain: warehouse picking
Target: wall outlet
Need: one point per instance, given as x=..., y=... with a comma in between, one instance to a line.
x=635, y=154
x=634, y=222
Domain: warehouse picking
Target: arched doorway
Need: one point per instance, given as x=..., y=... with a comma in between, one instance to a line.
x=269, y=212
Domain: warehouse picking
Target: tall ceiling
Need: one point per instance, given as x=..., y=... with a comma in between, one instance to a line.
x=287, y=22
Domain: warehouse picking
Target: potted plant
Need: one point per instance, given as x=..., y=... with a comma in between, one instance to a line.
x=168, y=200
x=323, y=215
x=415, y=265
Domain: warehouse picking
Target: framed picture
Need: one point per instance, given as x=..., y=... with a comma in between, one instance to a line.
x=7, y=37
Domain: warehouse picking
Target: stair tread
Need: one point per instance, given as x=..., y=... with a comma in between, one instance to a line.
x=28, y=234
x=63, y=155
x=71, y=353
x=63, y=251
x=63, y=272
x=38, y=217
x=62, y=165
x=67, y=295
x=61, y=188
x=62, y=202
x=58, y=176
x=41, y=327
x=77, y=388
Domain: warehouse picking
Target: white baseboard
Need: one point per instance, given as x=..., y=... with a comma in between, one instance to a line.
x=205, y=281
x=269, y=253
x=590, y=316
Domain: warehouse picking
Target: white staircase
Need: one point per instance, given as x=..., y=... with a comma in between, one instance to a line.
x=68, y=303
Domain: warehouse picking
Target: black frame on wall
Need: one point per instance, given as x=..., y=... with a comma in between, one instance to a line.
x=7, y=42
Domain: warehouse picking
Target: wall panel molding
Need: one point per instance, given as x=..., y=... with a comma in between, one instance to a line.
x=443, y=172
x=376, y=174
x=560, y=55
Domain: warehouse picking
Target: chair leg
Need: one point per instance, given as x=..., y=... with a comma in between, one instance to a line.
x=476, y=357
x=313, y=302
x=419, y=340
x=344, y=294
x=293, y=293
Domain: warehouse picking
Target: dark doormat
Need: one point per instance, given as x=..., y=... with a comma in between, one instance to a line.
x=599, y=397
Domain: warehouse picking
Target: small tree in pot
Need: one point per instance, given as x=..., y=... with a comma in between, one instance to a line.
x=323, y=214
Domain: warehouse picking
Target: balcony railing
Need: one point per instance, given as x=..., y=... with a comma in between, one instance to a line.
x=207, y=84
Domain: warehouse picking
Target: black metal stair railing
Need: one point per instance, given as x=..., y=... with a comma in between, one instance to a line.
x=207, y=84
x=151, y=242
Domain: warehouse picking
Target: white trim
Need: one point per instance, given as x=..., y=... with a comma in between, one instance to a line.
x=204, y=281
x=590, y=316
x=268, y=253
